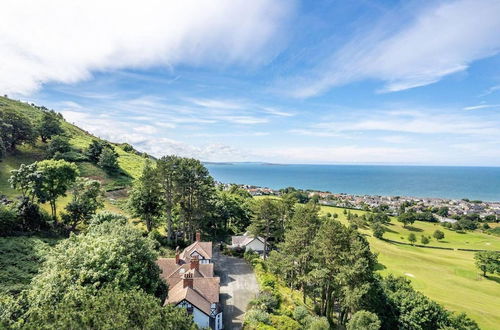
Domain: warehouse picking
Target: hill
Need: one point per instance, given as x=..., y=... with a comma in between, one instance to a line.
x=130, y=161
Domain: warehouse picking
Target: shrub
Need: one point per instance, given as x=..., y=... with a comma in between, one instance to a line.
x=284, y=322
x=412, y=238
x=58, y=145
x=438, y=234
x=364, y=320
x=106, y=216
x=266, y=300
x=300, y=313
x=424, y=239
x=255, y=316
x=108, y=160
x=8, y=219
x=71, y=156
x=250, y=255
x=317, y=323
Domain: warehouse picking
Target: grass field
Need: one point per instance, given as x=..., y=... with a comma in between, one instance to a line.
x=448, y=277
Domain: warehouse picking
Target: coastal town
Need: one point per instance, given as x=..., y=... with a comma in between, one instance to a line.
x=445, y=209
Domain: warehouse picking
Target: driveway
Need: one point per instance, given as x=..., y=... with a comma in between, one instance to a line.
x=238, y=287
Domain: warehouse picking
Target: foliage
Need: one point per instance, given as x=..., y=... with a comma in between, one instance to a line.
x=108, y=160
x=378, y=230
x=15, y=129
x=49, y=125
x=95, y=149
x=8, y=219
x=412, y=238
x=58, y=145
x=407, y=218
x=438, y=234
x=20, y=260
x=86, y=199
x=57, y=176
x=424, y=239
x=265, y=220
x=108, y=254
x=364, y=320
x=146, y=198
x=109, y=308
x=284, y=322
x=231, y=213
x=255, y=316
x=106, y=216
x=488, y=261
x=3, y=150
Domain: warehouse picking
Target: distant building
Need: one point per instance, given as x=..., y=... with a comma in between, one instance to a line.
x=192, y=285
x=248, y=242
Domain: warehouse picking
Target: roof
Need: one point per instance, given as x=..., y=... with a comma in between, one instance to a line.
x=244, y=239
x=204, y=292
x=202, y=248
x=170, y=269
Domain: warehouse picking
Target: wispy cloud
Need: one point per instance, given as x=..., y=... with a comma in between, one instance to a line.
x=482, y=106
x=440, y=40
x=58, y=41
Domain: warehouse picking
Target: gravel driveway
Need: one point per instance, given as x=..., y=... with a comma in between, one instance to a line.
x=238, y=287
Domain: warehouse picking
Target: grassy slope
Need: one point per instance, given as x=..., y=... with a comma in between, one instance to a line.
x=130, y=163
x=448, y=277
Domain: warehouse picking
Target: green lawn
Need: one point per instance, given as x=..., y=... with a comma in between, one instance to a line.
x=448, y=277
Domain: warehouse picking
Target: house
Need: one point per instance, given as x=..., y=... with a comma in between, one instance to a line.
x=248, y=242
x=192, y=284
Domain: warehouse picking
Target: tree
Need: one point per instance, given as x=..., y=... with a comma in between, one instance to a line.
x=488, y=261
x=378, y=230
x=438, y=234
x=58, y=144
x=265, y=220
x=108, y=160
x=85, y=201
x=107, y=255
x=424, y=240
x=57, y=177
x=364, y=320
x=407, y=218
x=49, y=125
x=412, y=238
x=168, y=168
x=296, y=251
x=28, y=180
x=146, y=198
x=15, y=129
x=196, y=190
x=94, y=150
x=109, y=308
x=231, y=213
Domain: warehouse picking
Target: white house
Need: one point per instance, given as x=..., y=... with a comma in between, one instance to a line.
x=192, y=285
x=248, y=242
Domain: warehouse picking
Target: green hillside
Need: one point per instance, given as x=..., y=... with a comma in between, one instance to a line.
x=131, y=162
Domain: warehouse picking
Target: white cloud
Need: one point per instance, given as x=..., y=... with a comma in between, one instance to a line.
x=66, y=41
x=482, y=106
x=441, y=40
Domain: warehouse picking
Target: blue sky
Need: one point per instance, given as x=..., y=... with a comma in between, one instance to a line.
x=389, y=82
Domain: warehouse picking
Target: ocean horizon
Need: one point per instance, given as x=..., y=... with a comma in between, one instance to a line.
x=424, y=181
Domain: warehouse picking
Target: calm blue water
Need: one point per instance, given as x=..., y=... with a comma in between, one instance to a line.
x=418, y=181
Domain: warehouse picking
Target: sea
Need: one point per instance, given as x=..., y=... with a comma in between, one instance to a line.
x=453, y=182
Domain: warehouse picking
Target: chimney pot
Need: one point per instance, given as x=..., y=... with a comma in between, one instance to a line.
x=187, y=281
x=195, y=263
x=198, y=236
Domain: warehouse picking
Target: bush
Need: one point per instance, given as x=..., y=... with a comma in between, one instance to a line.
x=58, y=145
x=284, y=322
x=8, y=219
x=317, y=323
x=108, y=160
x=363, y=320
x=266, y=300
x=106, y=216
x=255, y=316
x=300, y=313
x=250, y=255
x=424, y=239
x=438, y=234
x=71, y=156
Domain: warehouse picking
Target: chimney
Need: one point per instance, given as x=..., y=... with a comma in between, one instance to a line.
x=177, y=255
x=195, y=263
x=187, y=281
x=198, y=236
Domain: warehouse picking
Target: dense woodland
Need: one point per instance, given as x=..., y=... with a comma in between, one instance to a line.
x=102, y=271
